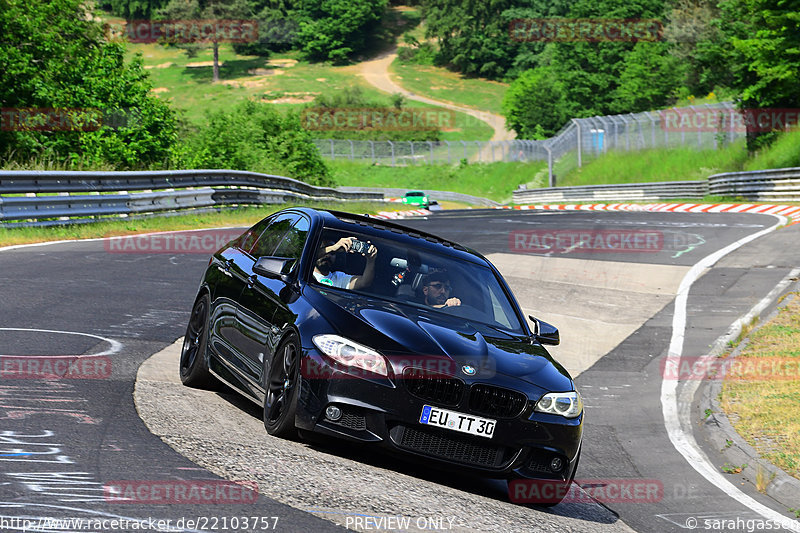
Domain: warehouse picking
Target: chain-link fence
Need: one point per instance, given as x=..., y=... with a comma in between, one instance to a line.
x=703, y=127
x=430, y=152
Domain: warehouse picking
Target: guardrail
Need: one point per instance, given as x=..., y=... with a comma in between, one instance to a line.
x=435, y=195
x=82, y=195
x=776, y=185
x=614, y=193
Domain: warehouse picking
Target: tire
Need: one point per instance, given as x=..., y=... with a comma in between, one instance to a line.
x=281, y=389
x=193, y=364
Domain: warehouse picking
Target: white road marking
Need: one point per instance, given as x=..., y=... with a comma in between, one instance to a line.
x=684, y=441
x=116, y=346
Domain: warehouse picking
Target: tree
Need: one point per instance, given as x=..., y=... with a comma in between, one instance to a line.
x=334, y=30
x=54, y=57
x=203, y=10
x=133, y=9
x=649, y=78
x=475, y=36
x=534, y=105
x=771, y=52
x=591, y=71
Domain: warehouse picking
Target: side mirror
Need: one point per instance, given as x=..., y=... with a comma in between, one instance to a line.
x=274, y=267
x=545, y=333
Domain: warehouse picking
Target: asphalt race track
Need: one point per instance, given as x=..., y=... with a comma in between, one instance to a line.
x=64, y=442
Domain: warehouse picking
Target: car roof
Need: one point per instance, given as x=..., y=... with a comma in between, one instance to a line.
x=350, y=221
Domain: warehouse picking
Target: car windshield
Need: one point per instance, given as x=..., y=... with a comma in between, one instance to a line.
x=433, y=281
x=415, y=194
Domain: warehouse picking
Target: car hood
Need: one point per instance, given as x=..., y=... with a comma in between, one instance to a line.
x=413, y=336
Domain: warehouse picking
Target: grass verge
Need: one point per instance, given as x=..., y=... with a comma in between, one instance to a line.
x=646, y=166
x=240, y=216
x=761, y=395
x=495, y=181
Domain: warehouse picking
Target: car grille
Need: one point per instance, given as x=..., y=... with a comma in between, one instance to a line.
x=452, y=448
x=433, y=387
x=494, y=401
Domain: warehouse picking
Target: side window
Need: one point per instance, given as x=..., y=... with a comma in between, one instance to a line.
x=249, y=237
x=271, y=236
x=293, y=241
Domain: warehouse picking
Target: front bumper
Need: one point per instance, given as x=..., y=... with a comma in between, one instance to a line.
x=387, y=412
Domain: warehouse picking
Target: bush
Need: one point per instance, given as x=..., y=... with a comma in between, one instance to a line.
x=257, y=138
x=354, y=98
x=534, y=105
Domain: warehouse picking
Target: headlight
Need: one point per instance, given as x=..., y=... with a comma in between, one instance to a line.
x=566, y=404
x=349, y=353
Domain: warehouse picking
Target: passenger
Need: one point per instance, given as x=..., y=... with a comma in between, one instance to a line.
x=436, y=290
x=325, y=258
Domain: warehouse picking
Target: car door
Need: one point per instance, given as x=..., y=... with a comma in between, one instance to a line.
x=291, y=246
x=258, y=301
x=227, y=276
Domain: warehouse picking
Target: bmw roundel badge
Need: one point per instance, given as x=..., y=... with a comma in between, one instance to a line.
x=468, y=370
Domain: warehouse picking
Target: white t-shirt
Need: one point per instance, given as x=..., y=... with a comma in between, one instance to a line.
x=335, y=279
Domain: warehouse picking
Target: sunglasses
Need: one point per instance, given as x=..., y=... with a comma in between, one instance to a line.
x=438, y=285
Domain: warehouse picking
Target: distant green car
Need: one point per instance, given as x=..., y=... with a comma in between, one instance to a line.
x=417, y=198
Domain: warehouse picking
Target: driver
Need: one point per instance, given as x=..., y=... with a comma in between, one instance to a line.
x=436, y=290
x=336, y=278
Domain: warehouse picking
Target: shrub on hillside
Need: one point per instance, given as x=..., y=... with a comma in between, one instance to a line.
x=257, y=138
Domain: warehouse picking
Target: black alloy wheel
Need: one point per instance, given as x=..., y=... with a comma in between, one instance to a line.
x=280, y=400
x=194, y=367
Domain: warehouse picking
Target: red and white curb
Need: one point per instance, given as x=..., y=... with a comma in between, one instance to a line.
x=792, y=212
x=387, y=215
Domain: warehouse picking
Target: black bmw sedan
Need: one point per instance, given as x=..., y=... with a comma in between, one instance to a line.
x=359, y=328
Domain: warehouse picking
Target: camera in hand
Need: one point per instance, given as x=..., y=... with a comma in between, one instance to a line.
x=359, y=247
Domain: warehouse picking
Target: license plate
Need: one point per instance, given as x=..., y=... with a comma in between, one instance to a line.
x=443, y=418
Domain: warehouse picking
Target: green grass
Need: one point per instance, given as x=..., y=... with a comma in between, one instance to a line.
x=284, y=80
x=441, y=84
x=241, y=216
x=645, y=166
x=495, y=181
x=783, y=153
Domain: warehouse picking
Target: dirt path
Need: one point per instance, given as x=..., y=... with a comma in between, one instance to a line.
x=376, y=72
